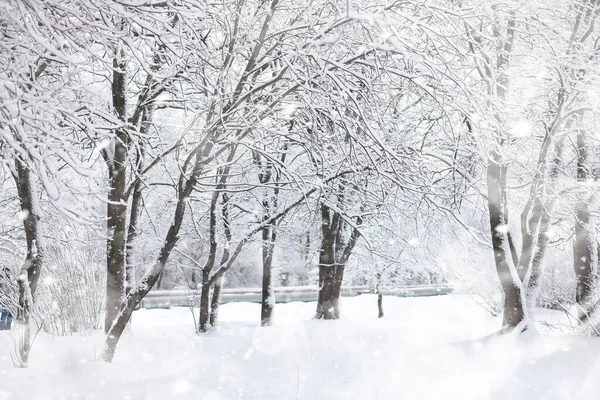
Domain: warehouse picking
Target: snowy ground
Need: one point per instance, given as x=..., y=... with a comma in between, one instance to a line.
x=425, y=348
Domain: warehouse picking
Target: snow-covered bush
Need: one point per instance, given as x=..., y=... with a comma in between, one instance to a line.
x=557, y=282
x=72, y=290
x=9, y=294
x=470, y=270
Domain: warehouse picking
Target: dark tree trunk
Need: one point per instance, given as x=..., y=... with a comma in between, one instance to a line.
x=327, y=302
x=216, y=300
x=135, y=296
x=117, y=230
x=332, y=260
x=380, y=304
x=116, y=209
x=204, y=318
x=185, y=187
x=204, y=324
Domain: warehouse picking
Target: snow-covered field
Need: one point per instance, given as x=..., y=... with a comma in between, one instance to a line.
x=425, y=348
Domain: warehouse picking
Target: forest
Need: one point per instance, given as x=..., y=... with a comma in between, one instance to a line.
x=200, y=146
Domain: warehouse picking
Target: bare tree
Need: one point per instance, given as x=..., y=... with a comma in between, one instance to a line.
x=519, y=269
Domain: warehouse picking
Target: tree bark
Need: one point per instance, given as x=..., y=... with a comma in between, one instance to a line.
x=185, y=187
x=327, y=302
x=23, y=320
x=380, y=304
x=135, y=296
x=204, y=318
x=32, y=266
x=136, y=201
x=585, y=253
x=205, y=306
x=218, y=279
x=269, y=236
x=514, y=304
x=116, y=208
x=216, y=300
x=332, y=261
x=28, y=196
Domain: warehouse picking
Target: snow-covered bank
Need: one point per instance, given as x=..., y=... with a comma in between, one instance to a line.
x=425, y=348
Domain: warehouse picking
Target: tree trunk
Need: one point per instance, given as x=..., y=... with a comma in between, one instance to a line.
x=216, y=300
x=116, y=225
x=23, y=321
x=514, y=304
x=332, y=261
x=268, y=293
x=380, y=304
x=116, y=209
x=585, y=256
x=533, y=284
x=132, y=233
x=136, y=201
x=218, y=280
x=28, y=196
x=30, y=272
x=204, y=318
x=328, y=302
x=134, y=297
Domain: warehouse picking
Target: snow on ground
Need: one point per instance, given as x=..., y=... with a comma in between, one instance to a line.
x=425, y=348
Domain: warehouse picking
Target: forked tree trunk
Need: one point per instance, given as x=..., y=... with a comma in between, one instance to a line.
x=204, y=323
x=185, y=187
x=135, y=296
x=514, y=304
x=204, y=314
x=333, y=257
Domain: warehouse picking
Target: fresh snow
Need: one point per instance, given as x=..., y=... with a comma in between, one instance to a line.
x=424, y=348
